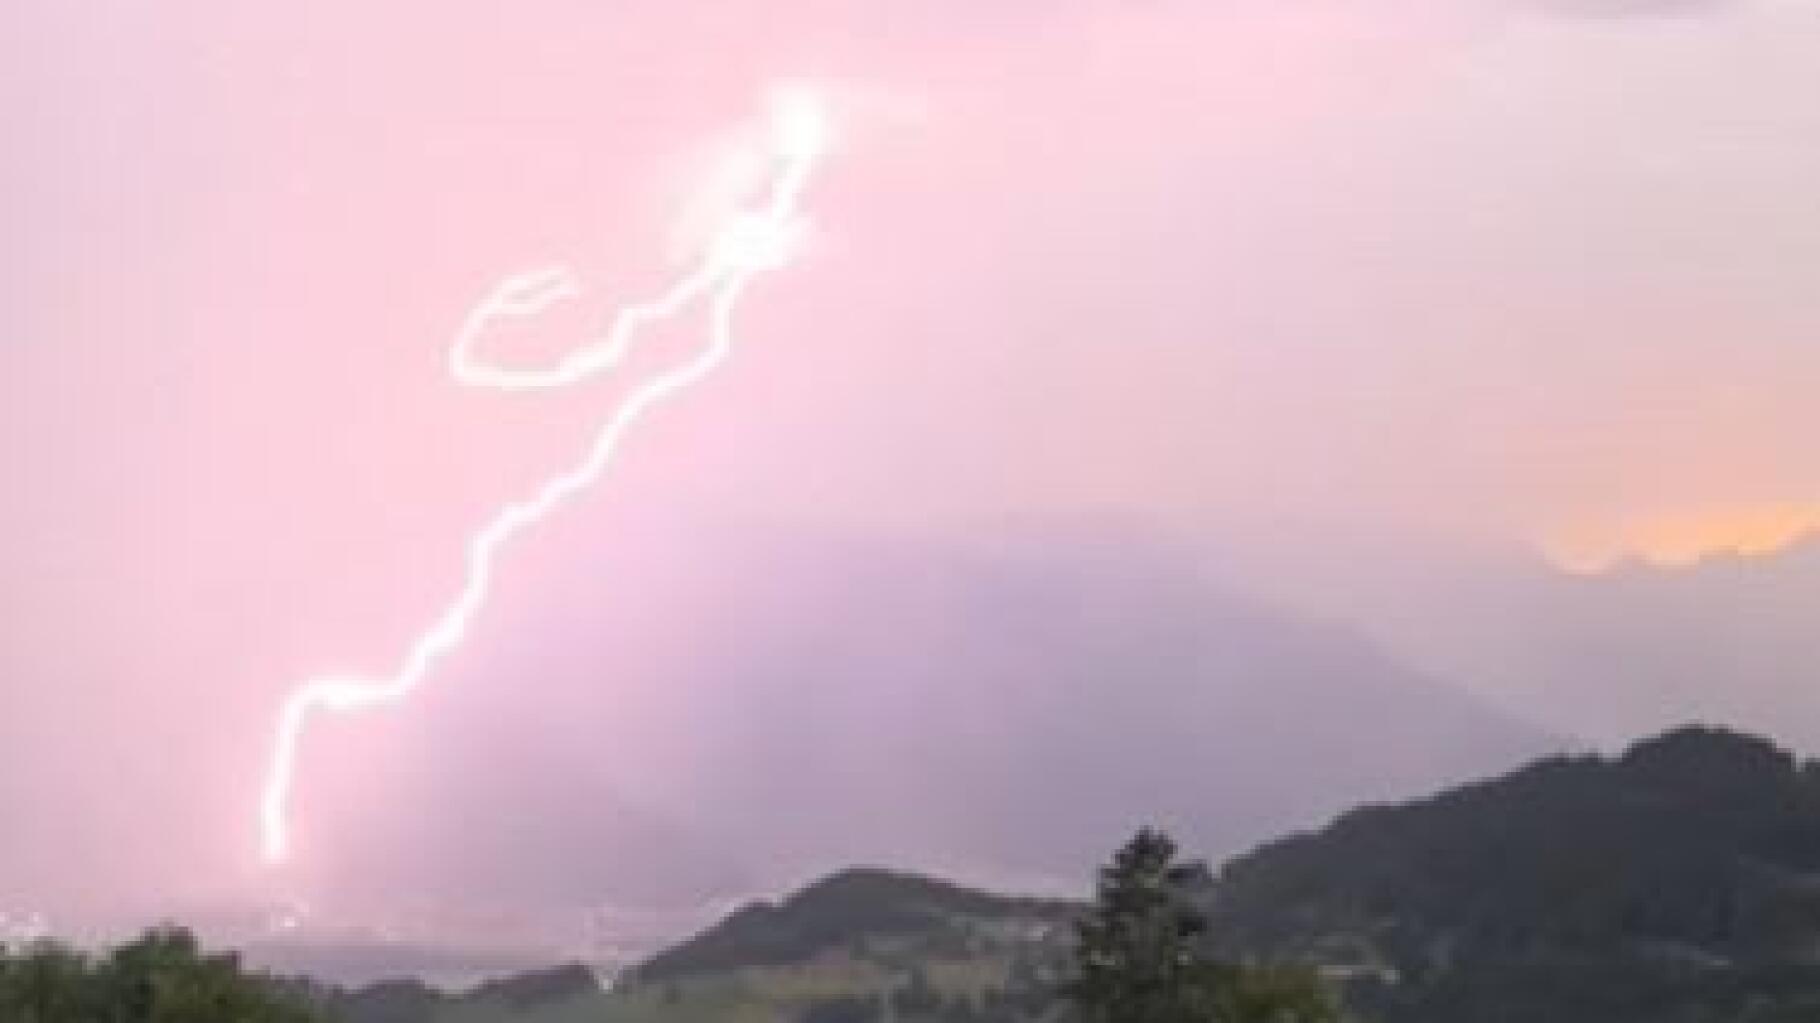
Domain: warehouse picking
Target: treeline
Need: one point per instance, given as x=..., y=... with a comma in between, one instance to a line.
x=1138, y=954
x=1699, y=839
x=162, y=977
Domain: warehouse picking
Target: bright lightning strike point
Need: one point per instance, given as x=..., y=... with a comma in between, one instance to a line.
x=754, y=241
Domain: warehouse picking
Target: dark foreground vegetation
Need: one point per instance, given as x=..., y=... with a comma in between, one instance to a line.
x=1141, y=954
x=1679, y=883
x=163, y=977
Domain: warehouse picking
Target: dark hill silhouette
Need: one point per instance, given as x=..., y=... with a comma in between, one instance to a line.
x=852, y=906
x=1678, y=882
x=1690, y=864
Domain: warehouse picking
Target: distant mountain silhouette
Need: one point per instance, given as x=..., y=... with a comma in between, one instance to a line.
x=995, y=710
x=1641, y=647
x=1607, y=656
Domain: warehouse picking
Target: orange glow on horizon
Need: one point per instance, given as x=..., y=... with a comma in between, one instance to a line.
x=1682, y=539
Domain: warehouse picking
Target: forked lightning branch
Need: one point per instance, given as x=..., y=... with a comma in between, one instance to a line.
x=755, y=239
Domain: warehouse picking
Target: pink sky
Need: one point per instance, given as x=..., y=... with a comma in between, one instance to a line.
x=1472, y=267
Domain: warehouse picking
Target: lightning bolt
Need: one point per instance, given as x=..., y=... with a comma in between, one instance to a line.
x=757, y=239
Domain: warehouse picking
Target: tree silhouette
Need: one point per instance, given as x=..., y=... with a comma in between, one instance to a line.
x=1139, y=957
x=161, y=977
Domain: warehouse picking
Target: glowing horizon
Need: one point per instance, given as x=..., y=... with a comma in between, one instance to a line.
x=1684, y=539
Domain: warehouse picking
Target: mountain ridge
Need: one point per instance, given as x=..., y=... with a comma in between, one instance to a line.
x=1678, y=881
